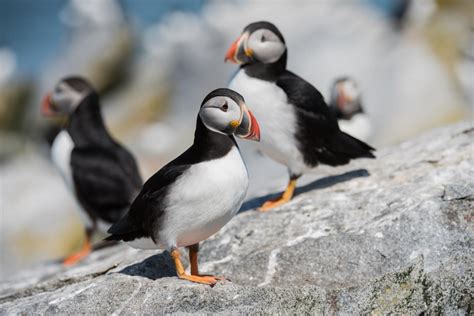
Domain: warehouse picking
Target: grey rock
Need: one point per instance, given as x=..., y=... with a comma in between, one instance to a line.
x=391, y=235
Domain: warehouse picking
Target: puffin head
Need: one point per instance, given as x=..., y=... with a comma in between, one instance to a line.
x=260, y=42
x=224, y=111
x=345, y=95
x=68, y=93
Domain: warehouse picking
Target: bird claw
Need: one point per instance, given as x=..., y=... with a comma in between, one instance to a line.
x=202, y=279
x=215, y=277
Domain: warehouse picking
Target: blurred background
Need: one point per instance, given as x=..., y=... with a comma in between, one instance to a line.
x=153, y=61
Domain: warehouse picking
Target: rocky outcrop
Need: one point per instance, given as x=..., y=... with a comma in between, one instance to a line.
x=389, y=235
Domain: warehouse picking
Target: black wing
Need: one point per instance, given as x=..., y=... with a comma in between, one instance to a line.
x=148, y=208
x=318, y=134
x=106, y=180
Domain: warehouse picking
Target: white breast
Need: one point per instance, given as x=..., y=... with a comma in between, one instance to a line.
x=203, y=200
x=358, y=126
x=61, y=155
x=276, y=118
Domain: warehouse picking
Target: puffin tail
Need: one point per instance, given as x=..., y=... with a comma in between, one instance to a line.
x=113, y=238
x=353, y=147
x=123, y=231
x=124, y=237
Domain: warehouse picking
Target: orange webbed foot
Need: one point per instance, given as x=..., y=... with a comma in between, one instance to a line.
x=78, y=256
x=284, y=198
x=203, y=279
x=194, y=276
x=268, y=205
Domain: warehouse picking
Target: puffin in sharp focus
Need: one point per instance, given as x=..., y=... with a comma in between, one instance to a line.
x=195, y=195
x=346, y=105
x=101, y=173
x=298, y=128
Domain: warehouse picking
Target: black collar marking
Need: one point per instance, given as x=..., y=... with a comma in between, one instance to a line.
x=268, y=72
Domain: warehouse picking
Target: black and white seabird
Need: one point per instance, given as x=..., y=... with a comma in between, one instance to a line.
x=195, y=195
x=298, y=129
x=101, y=173
x=346, y=105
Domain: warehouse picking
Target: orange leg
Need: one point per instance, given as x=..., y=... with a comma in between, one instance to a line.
x=193, y=258
x=284, y=198
x=79, y=255
x=208, y=279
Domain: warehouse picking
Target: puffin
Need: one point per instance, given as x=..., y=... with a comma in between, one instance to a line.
x=196, y=194
x=298, y=129
x=101, y=173
x=345, y=104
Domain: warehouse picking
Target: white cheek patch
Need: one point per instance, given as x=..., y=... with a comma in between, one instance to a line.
x=217, y=120
x=76, y=98
x=210, y=118
x=68, y=97
x=269, y=52
x=266, y=46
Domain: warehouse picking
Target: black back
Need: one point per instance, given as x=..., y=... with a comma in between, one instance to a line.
x=146, y=212
x=318, y=135
x=105, y=174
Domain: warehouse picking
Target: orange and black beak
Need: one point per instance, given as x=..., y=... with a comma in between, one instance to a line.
x=46, y=106
x=238, y=52
x=248, y=128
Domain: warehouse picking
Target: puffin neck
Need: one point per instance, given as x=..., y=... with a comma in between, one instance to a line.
x=86, y=125
x=209, y=145
x=269, y=72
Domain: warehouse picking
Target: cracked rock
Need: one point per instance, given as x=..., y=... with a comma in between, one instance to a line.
x=391, y=235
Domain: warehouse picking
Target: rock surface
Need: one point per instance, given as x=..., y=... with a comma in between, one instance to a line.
x=378, y=236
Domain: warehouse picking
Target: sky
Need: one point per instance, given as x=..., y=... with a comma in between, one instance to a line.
x=34, y=30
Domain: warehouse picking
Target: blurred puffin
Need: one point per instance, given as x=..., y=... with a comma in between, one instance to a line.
x=346, y=105
x=102, y=174
x=195, y=195
x=298, y=129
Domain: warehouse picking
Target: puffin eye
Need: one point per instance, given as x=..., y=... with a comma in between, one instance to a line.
x=225, y=107
x=263, y=39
